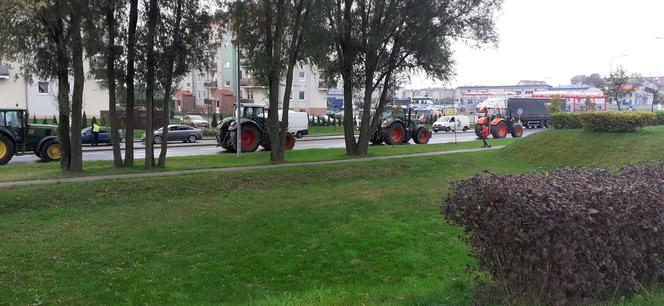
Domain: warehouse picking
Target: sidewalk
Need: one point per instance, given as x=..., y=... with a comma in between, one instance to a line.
x=230, y=169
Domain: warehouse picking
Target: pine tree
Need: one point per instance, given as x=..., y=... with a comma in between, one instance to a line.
x=54, y=120
x=102, y=121
x=34, y=119
x=214, y=123
x=94, y=120
x=84, y=121
x=45, y=121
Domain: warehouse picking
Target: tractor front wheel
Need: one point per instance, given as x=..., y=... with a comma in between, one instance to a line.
x=499, y=130
x=395, y=134
x=478, y=130
x=422, y=136
x=50, y=151
x=517, y=130
x=7, y=149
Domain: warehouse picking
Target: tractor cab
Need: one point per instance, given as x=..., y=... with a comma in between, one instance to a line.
x=14, y=122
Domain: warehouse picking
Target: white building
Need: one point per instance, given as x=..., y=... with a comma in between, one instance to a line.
x=40, y=96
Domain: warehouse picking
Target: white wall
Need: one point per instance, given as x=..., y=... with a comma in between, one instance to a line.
x=12, y=92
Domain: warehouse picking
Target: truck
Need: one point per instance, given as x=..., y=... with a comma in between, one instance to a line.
x=253, y=131
x=298, y=123
x=532, y=113
x=17, y=137
x=399, y=127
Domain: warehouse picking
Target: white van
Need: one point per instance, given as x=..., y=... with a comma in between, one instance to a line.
x=298, y=123
x=452, y=123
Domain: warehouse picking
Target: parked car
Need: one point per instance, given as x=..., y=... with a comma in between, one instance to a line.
x=298, y=123
x=451, y=123
x=178, y=132
x=195, y=121
x=104, y=136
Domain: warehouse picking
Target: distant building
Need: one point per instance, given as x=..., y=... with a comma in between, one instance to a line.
x=470, y=96
x=40, y=97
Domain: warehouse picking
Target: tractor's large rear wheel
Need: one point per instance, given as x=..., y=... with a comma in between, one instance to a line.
x=7, y=149
x=249, y=139
x=50, y=151
x=395, y=134
x=478, y=130
x=422, y=136
x=499, y=130
x=290, y=142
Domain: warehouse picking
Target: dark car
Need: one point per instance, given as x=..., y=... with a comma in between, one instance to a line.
x=104, y=136
x=178, y=132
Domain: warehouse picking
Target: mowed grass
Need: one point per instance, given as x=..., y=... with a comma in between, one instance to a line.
x=367, y=233
x=18, y=172
x=326, y=130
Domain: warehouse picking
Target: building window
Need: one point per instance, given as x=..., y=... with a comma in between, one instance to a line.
x=42, y=88
x=250, y=94
x=301, y=95
x=217, y=104
x=302, y=75
x=227, y=64
x=228, y=83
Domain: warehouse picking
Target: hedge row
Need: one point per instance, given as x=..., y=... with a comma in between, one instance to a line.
x=566, y=237
x=611, y=122
x=561, y=120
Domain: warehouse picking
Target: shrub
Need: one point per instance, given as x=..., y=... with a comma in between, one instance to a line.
x=555, y=106
x=659, y=118
x=616, y=122
x=215, y=122
x=210, y=132
x=566, y=236
x=560, y=120
x=55, y=120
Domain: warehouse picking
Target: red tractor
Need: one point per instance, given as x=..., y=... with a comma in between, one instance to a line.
x=500, y=123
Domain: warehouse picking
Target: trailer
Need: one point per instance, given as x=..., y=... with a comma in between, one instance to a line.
x=532, y=113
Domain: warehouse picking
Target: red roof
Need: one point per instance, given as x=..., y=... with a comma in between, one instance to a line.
x=183, y=92
x=223, y=92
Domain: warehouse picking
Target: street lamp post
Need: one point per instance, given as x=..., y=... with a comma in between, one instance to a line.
x=613, y=59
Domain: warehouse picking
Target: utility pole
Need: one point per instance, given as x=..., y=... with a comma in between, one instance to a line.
x=238, y=113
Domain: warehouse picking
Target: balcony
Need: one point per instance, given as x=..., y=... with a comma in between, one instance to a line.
x=210, y=84
x=249, y=82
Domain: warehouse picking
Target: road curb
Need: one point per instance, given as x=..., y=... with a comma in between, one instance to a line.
x=85, y=179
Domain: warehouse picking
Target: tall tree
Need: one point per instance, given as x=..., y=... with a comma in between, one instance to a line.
x=150, y=62
x=76, y=19
x=376, y=41
x=272, y=35
x=130, y=76
x=111, y=8
x=184, y=23
x=614, y=88
x=38, y=40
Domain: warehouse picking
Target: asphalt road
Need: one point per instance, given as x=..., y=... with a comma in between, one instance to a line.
x=208, y=147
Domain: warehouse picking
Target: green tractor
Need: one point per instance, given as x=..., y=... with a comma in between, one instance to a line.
x=253, y=131
x=399, y=127
x=17, y=137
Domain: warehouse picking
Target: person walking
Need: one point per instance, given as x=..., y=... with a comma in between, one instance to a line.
x=95, y=134
x=484, y=127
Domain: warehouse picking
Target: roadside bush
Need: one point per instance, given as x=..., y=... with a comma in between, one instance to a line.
x=210, y=132
x=566, y=237
x=659, y=118
x=616, y=122
x=560, y=120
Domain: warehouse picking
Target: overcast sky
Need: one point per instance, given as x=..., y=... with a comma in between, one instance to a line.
x=553, y=40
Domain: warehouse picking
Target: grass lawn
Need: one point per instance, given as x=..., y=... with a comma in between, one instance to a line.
x=367, y=233
x=16, y=172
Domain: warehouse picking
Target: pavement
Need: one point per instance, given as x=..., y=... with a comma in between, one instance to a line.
x=209, y=147
x=230, y=169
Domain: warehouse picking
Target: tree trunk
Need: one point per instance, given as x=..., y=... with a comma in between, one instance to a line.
x=167, y=85
x=131, y=54
x=153, y=15
x=111, y=24
x=347, y=58
x=77, y=96
x=63, y=96
x=274, y=44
